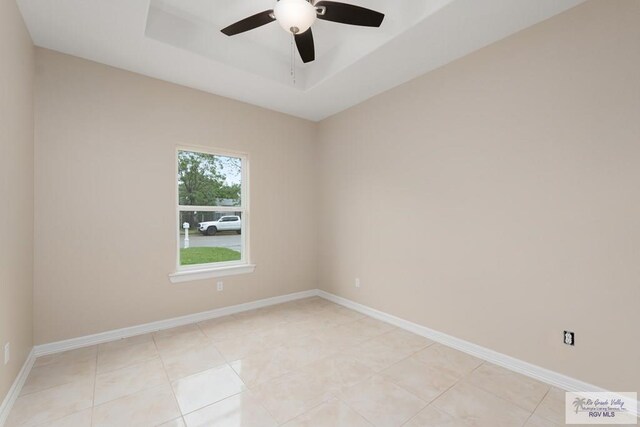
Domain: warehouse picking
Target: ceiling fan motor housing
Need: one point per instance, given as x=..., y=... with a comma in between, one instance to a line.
x=295, y=16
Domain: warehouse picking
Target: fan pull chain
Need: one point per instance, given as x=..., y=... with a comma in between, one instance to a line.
x=293, y=60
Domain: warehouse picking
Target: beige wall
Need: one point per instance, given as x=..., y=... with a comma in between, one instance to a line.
x=497, y=199
x=105, y=195
x=494, y=199
x=16, y=191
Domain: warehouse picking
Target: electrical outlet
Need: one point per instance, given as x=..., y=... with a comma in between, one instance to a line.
x=220, y=286
x=357, y=282
x=569, y=338
x=7, y=352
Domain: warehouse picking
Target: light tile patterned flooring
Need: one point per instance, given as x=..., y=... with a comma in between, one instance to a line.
x=304, y=363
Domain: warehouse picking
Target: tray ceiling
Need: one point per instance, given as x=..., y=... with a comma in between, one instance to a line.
x=180, y=41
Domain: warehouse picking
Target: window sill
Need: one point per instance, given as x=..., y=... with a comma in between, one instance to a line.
x=208, y=273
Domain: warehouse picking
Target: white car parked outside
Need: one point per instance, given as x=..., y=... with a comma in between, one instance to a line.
x=225, y=223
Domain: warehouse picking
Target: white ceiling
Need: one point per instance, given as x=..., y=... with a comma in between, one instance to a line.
x=179, y=41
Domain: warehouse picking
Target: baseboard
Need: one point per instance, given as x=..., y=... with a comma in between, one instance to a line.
x=536, y=372
x=16, y=387
x=102, y=337
x=541, y=374
x=89, y=340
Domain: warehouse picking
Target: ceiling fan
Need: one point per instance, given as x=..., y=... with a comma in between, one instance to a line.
x=297, y=16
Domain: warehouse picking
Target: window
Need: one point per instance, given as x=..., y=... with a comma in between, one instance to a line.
x=212, y=214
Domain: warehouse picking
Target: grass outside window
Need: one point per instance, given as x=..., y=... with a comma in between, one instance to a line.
x=206, y=255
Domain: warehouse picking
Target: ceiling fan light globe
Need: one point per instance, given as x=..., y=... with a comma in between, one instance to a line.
x=295, y=16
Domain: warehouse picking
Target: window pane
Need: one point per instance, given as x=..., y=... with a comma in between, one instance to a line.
x=212, y=237
x=208, y=180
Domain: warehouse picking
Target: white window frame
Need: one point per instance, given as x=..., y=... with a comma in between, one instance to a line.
x=184, y=273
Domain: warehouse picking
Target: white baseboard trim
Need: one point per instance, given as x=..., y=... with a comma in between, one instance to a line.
x=73, y=343
x=545, y=375
x=16, y=387
x=536, y=372
x=102, y=337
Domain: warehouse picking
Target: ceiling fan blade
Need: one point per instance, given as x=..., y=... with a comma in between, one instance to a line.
x=349, y=14
x=304, y=42
x=254, y=21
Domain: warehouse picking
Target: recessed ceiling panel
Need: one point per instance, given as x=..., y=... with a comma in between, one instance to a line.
x=268, y=51
x=180, y=41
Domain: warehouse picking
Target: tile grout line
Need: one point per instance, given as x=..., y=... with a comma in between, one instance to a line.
x=128, y=394
x=355, y=410
x=378, y=373
x=44, y=389
x=95, y=383
x=166, y=374
x=420, y=362
x=93, y=400
x=486, y=391
x=551, y=378
x=458, y=381
x=461, y=379
x=282, y=345
x=171, y=323
x=129, y=364
x=215, y=367
x=228, y=363
x=537, y=406
x=47, y=388
x=506, y=400
x=513, y=403
x=248, y=388
x=60, y=385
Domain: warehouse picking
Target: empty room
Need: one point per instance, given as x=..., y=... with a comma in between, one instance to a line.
x=358, y=213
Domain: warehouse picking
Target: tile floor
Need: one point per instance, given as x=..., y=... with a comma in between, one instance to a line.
x=304, y=363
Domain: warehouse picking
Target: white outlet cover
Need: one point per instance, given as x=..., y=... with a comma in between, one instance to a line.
x=7, y=353
x=357, y=283
x=220, y=286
